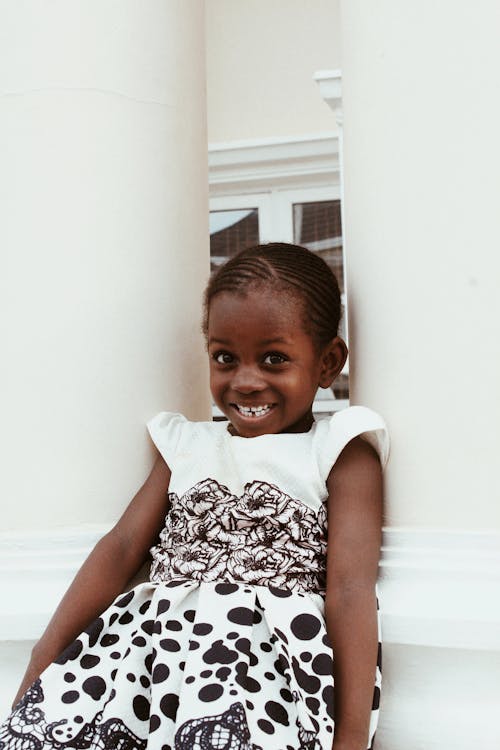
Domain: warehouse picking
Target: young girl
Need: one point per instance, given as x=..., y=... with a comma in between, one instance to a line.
x=229, y=645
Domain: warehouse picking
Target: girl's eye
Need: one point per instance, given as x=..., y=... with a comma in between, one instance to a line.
x=223, y=358
x=273, y=358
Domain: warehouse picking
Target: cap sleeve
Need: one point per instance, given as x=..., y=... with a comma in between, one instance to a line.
x=167, y=429
x=336, y=432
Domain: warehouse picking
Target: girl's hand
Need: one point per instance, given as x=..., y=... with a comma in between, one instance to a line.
x=29, y=678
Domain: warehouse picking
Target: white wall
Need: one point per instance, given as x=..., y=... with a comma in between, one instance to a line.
x=261, y=57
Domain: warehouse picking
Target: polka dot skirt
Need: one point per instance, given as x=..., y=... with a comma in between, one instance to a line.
x=189, y=666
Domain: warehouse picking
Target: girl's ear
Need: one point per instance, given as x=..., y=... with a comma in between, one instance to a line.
x=332, y=361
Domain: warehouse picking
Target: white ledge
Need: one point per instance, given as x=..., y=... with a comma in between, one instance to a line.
x=441, y=588
x=271, y=163
x=436, y=588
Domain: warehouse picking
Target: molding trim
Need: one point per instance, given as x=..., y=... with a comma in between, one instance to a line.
x=436, y=588
x=330, y=88
x=441, y=588
x=261, y=165
x=36, y=568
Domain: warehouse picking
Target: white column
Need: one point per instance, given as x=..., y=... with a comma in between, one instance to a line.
x=104, y=237
x=421, y=165
x=421, y=158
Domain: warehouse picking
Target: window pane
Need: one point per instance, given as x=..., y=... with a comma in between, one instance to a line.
x=230, y=232
x=318, y=227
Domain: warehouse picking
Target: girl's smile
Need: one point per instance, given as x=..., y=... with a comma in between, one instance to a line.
x=264, y=367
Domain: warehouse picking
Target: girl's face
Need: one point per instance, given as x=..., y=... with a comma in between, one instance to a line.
x=264, y=368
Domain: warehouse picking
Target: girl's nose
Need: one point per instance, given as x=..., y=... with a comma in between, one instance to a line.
x=247, y=379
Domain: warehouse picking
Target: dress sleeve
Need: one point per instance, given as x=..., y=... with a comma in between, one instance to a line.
x=167, y=430
x=336, y=432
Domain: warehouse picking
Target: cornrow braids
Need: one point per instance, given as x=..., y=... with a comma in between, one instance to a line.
x=290, y=268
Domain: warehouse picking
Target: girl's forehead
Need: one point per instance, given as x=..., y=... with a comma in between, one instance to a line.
x=259, y=310
x=277, y=303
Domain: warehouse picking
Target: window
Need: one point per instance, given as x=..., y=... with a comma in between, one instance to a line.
x=230, y=232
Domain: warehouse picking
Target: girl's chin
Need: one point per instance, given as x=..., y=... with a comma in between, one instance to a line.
x=252, y=425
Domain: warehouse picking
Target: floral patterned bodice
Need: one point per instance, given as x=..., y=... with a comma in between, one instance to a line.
x=251, y=509
x=263, y=537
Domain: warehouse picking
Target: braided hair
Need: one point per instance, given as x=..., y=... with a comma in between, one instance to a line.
x=292, y=269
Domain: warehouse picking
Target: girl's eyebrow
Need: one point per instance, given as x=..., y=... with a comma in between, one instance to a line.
x=263, y=342
x=275, y=340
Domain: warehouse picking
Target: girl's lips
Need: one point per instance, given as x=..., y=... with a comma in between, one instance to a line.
x=253, y=412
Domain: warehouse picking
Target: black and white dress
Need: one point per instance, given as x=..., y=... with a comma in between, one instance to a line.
x=225, y=647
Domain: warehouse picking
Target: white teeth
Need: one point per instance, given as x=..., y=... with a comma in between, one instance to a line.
x=253, y=411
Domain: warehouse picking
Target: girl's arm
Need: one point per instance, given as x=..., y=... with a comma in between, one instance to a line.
x=354, y=537
x=108, y=568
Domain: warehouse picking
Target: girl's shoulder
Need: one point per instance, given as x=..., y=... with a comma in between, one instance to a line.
x=172, y=433
x=332, y=434
x=171, y=421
